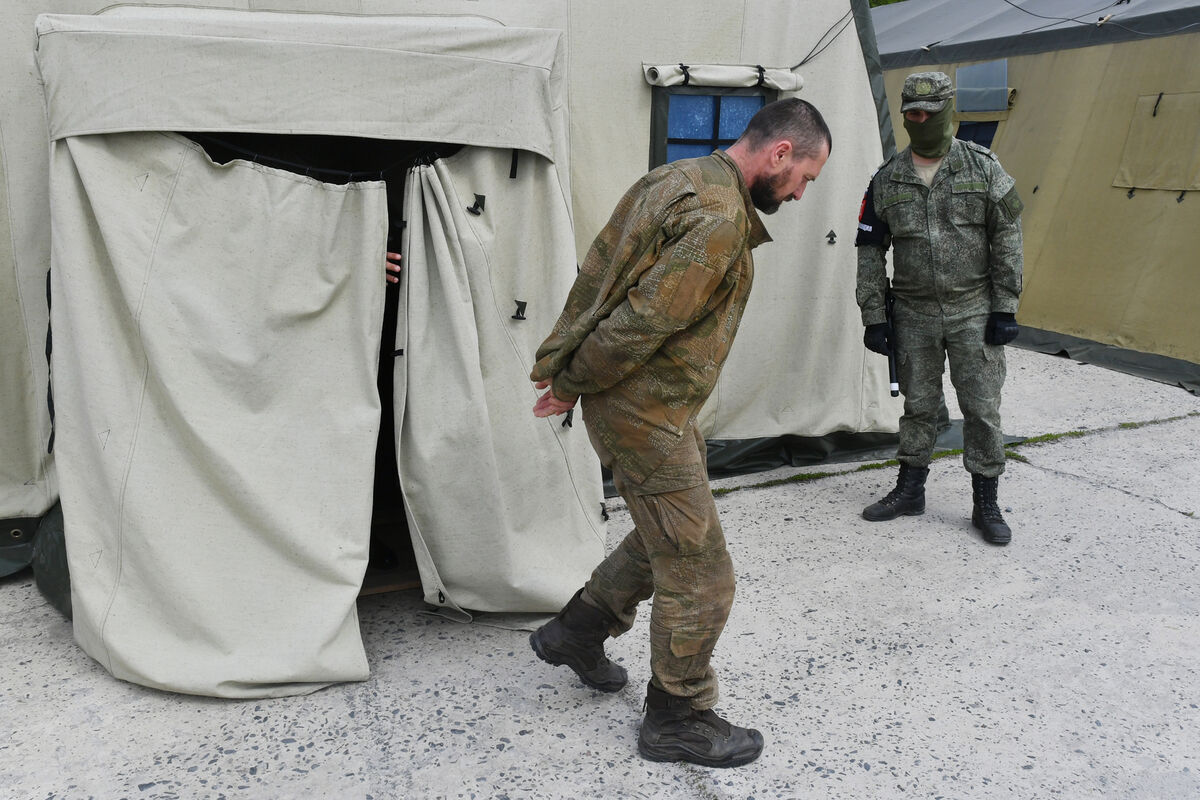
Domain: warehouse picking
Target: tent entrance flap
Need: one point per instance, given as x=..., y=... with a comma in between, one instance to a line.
x=504, y=508
x=216, y=341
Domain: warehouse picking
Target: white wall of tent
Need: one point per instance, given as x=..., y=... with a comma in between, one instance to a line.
x=218, y=323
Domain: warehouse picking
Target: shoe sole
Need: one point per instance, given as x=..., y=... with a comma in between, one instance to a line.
x=893, y=516
x=671, y=755
x=991, y=540
x=536, y=644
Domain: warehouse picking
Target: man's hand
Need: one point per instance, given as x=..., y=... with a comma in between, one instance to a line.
x=1001, y=328
x=548, y=405
x=877, y=338
x=393, y=268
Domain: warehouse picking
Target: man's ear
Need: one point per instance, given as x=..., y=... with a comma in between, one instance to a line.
x=781, y=153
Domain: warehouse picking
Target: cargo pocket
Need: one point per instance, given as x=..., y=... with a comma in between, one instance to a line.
x=903, y=214
x=691, y=643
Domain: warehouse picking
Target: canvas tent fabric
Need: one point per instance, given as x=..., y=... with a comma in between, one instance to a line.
x=217, y=334
x=803, y=302
x=798, y=371
x=932, y=31
x=472, y=457
x=1100, y=138
x=783, y=80
x=217, y=412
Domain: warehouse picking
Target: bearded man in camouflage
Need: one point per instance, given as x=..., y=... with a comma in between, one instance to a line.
x=952, y=217
x=642, y=339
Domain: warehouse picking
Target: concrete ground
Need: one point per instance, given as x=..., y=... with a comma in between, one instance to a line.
x=903, y=659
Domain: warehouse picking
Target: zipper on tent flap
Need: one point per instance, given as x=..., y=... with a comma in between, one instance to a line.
x=520, y=309
x=512, y=170
x=477, y=209
x=568, y=420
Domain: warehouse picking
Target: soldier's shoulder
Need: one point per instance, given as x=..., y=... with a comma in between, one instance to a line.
x=980, y=149
x=885, y=169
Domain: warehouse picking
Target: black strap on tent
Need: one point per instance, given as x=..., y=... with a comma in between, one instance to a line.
x=569, y=419
x=477, y=209
x=520, y=309
x=1129, y=194
x=397, y=353
x=604, y=512
x=1156, y=102
x=762, y=73
x=687, y=78
x=512, y=170
x=1180, y=198
x=49, y=384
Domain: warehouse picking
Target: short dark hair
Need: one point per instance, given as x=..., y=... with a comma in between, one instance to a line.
x=793, y=119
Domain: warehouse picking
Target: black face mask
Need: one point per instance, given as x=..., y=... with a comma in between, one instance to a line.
x=931, y=138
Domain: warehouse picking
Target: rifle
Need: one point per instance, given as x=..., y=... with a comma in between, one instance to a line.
x=889, y=303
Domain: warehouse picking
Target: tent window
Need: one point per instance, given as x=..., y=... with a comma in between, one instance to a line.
x=1162, y=150
x=979, y=132
x=982, y=87
x=691, y=121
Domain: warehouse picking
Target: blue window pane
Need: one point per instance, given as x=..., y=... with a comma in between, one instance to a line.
x=979, y=132
x=678, y=151
x=690, y=116
x=736, y=111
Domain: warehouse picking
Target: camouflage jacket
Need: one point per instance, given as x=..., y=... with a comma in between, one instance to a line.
x=654, y=309
x=957, y=243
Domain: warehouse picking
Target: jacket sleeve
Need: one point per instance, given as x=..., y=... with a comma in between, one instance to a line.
x=871, y=244
x=1005, y=257
x=666, y=298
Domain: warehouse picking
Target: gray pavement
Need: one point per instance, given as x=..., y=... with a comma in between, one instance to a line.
x=880, y=660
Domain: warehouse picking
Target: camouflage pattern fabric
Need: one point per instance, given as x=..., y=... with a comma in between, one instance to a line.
x=957, y=244
x=676, y=552
x=957, y=257
x=652, y=315
x=977, y=371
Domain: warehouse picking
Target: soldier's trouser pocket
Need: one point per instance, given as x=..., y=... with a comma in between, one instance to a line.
x=693, y=589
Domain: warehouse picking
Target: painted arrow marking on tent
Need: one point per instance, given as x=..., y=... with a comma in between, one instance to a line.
x=103, y=437
x=141, y=180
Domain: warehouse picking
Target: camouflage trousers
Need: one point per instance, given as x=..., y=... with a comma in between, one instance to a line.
x=977, y=371
x=676, y=552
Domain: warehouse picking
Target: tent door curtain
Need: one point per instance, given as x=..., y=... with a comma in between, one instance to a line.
x=216, y=332
x=503, y=508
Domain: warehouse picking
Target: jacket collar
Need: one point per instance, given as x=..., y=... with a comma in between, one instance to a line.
x=906, y=173
x=758, y=231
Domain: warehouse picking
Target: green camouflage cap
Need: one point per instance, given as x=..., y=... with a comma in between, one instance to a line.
x=926, y=91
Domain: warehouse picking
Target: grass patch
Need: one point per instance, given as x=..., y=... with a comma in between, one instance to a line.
x=1009, y=453
x=1050, y=437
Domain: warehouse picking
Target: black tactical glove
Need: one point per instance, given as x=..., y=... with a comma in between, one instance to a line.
x=878, y=338
x=1001, y=328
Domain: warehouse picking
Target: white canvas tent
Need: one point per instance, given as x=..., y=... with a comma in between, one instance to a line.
x=232, y=313
x=176, y=394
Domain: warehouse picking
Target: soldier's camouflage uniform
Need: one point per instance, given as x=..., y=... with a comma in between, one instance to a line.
x=646, y=328
x=957, y=257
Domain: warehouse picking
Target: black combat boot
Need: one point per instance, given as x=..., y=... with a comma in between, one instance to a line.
x=674, y=731
x=907, y=498
x=576, y=638
x=986, y=514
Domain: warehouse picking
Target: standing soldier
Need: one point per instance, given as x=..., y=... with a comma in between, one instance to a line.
x=643, y=336
x=952, y=215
